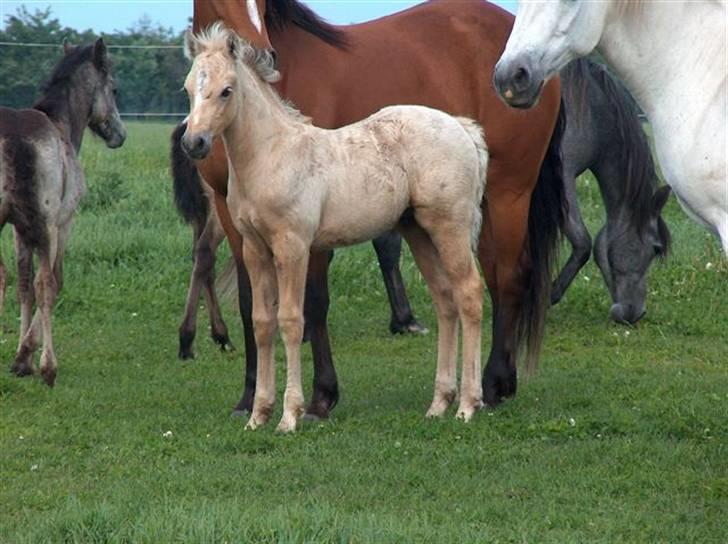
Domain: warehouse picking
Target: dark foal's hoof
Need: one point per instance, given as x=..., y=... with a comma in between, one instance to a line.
x=49, y=376
x=322, y=403
x=21, y=369
x=409, y=327
x=185, y=345
x=223, y=340
x=497, y=388
x=244, y=407
x=239, y=414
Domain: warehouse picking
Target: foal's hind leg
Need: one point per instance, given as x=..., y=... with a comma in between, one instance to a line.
x=46, y=290
x=428, y=261
x=452, y=240
x=23, y=365
x=203, y=277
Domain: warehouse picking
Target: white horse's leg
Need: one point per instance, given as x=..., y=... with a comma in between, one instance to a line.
x=261, y=269
x=428, y=262
x=46, y=289
x=291, y=260
x=452, y=240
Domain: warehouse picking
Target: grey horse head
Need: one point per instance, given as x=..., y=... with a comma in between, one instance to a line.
x=624, y=253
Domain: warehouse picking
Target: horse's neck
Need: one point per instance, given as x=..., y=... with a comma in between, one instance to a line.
x=70, y=113
x=663, y=65
x=262, y=124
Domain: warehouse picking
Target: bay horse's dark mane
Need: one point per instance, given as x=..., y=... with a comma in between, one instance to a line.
x=638, y=168
x=55, y=89
x=279, y=13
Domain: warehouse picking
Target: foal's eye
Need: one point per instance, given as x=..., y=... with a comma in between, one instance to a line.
x=227, y=91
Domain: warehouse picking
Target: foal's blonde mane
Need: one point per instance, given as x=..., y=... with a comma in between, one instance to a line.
x=218, y=38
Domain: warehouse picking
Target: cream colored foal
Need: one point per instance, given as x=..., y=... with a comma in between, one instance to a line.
x=295, y=188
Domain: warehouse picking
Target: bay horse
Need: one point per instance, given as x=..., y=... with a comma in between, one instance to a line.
x=671, y=56
x=439, y=54
x=604, y=134
x=42, y=183
x=294, y=187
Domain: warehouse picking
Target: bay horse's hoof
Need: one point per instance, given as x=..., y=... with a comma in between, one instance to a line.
x=410, y=327
x=238, y=414
x=498, y=388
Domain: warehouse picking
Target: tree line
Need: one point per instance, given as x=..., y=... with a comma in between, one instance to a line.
x=149, y=80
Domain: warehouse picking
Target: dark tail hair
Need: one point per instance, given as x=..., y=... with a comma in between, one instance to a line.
x=545, y=223
x=189, y=196
x=20, y=202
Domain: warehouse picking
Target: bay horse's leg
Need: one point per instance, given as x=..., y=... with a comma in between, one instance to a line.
x=429, y=264
x=576, y=232
x=451, y=237
x=265, y=294
x=316, y=307
x=505, y=270
x=206, y=243
x=291, y=262
x=23, y=365
x=389, y=248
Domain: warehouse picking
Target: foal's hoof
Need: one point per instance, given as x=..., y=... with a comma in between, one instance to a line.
x=467, y=411
x=238, y=414
x=21, y=369
x=223, y=340
x=185, y=346
x=410, y=327
x=497, y=388
x=49, y=376
x=287, y=425
x=318, y=410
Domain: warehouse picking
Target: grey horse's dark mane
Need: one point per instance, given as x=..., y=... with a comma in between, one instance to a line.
x=638, y=167
x=55, y=89
x=280, y=13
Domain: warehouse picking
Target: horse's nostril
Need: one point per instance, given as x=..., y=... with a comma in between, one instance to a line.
x=522, y=78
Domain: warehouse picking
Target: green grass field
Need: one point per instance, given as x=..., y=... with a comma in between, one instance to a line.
x=621, y=436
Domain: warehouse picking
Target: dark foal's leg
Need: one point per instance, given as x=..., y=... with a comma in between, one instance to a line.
x=389, y=248
x=578, y=236
x=23, y=364
x=316, y=307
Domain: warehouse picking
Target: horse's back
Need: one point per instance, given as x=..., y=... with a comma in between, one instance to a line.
x=25, y=123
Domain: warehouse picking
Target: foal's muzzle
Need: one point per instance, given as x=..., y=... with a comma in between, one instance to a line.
x=518, y=82
x=197, y=146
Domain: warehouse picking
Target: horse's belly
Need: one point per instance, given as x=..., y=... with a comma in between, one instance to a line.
x=359, y=216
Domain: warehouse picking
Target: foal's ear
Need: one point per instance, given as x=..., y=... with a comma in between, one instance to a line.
x=660, y=198
x=233, y=44
x=191, y=45
x=67, y=47
x=100, y=59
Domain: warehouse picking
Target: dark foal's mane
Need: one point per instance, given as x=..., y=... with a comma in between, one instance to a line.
x=55, y=90
x=638, y=167
x=279, y=13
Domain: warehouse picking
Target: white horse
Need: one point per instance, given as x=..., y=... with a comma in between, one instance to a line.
x=672, y=57
x=295, y=187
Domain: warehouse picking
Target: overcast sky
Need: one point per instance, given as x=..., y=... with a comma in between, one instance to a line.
x=110, y=15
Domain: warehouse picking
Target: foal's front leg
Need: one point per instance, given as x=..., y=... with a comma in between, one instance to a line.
x=259, y=263
x=291, y=259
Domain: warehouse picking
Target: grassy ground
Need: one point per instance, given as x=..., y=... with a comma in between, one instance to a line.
x=621, y=436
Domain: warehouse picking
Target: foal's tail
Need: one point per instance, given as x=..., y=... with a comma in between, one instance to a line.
x=189, y=196
x=546, y=221
x=475, y=131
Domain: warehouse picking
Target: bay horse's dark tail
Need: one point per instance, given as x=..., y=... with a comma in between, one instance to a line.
x=189, y=197
x=546, y=220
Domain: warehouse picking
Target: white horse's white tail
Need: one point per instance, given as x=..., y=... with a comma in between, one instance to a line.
x=475, y=131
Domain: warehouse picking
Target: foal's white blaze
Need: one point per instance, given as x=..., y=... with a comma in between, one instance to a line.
x=254, y=15
x=677, y=74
